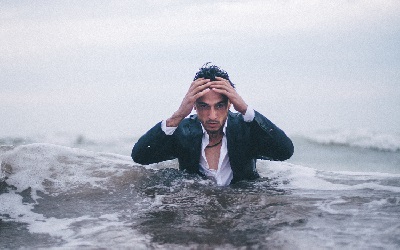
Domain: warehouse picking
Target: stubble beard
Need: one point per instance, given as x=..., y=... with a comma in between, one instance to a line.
x=215, y=133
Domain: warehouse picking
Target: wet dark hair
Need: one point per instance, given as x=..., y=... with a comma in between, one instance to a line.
x=210, y=72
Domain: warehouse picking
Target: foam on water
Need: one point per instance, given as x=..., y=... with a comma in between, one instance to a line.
x=367, y=202
x=111, y=202
x=300, y=177
x=53, y=169
x=121, y=145
x=56, y=170
x=106, y=230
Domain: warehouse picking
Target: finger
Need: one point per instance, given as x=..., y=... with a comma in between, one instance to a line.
x=223, y=91
x=201, y=93
x=198, y=88
x=226, y=90
x=222, y=80
x=222, y=86
x=198, y=82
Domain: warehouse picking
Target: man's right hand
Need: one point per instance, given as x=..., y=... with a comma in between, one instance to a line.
x=197, y=89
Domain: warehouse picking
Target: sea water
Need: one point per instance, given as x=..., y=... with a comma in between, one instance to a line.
x=340, y=190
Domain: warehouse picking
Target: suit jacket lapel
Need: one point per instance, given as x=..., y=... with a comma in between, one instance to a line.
x=231, y=137
x=196, y=134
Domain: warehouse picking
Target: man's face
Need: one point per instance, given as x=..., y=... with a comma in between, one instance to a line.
x=212, y=111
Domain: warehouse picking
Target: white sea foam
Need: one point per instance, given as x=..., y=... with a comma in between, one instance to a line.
x=363, y=138
x=115, y=144
x=378, y=204
x=107, y=230
x=300, y=177
x=296, y=176
x=56, y=169
x=12, y=205
x=51, y=168
x=16, y=210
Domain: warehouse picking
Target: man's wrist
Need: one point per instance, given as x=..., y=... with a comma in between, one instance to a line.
x=167, y=130
x=244, y=110
x=249, y=115
x=174, y=120
x=240, y=106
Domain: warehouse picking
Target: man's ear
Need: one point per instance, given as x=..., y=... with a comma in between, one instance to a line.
x=194, y=106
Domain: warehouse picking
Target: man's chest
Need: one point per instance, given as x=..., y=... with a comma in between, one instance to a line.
x=213, y=156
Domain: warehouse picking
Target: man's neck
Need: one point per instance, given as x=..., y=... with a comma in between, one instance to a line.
x=215, y=136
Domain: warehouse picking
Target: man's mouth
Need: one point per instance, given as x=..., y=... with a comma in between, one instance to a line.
x=212, y=122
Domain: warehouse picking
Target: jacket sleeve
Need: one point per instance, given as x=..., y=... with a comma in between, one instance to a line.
x=154, y=146
x=270, y=142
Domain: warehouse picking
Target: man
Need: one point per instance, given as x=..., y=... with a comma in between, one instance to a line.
x=216, y=143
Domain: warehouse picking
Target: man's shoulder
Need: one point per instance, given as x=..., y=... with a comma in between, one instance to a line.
x=234, y=114
x=192, y=119
x=235, y=117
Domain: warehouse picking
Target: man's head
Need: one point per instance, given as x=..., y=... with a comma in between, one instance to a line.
x=212, y=111
x=212, y=108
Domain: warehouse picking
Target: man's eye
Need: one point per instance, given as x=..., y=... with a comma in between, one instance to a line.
x=220, y=105
x=202, y=106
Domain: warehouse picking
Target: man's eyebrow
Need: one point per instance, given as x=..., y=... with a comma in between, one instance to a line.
x=203, y=103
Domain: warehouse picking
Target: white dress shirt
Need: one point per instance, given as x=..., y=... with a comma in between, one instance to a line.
x=223, y=175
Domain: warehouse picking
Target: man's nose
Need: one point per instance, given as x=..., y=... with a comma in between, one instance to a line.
x=213, y=114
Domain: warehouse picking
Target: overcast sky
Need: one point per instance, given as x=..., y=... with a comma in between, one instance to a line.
x=118, y=67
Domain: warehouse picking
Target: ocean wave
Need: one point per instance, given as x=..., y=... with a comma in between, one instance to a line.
x=297, y=177
x=77, y=232
x=79, y=198
x=100, y=143
x=362, y=138
x=52, y=168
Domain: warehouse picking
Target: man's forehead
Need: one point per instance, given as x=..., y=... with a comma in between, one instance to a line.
x=212, y=100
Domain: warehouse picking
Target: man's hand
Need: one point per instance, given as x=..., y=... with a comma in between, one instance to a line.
x=197, y=89
x=223, y=87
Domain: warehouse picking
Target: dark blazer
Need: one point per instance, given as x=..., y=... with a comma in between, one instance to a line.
x=246, y=142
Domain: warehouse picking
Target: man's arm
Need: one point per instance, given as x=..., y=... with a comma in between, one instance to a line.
x=156, y=146
x=197, y=89
x=223, y=87
x=270, y=142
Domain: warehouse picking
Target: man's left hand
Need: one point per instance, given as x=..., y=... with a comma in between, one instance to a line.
x=223, y=87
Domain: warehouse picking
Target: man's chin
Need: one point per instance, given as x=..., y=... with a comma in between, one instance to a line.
x=212, y=130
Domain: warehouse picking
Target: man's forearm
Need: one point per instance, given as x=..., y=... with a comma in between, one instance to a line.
x=272, y=141
x=154, y=146
x=197, y=89
x=174, y=120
